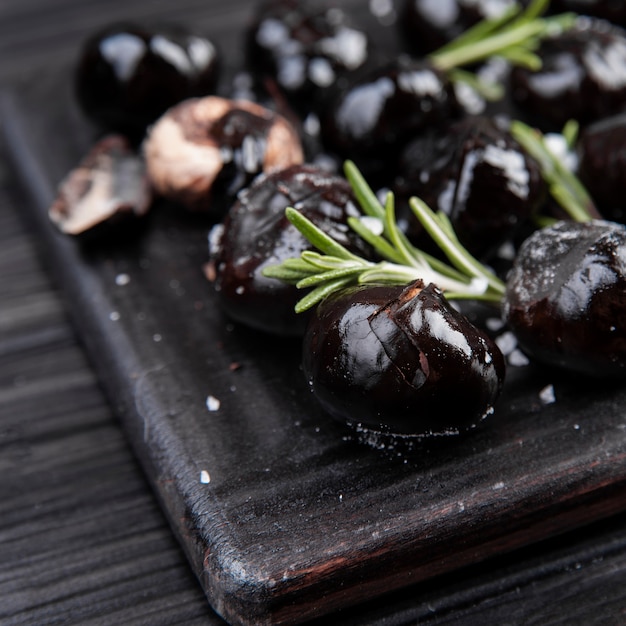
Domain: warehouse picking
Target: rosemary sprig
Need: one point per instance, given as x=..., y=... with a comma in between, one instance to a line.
x=334, y=267
x=564, y=186
x=515, y=35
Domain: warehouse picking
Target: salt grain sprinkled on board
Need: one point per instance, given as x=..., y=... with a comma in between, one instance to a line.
x=205, y=477
x=122, y=279
x=212, y=404
x=547, y=395
x=114, y=316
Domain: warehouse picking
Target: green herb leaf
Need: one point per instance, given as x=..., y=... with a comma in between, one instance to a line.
x=564, y=185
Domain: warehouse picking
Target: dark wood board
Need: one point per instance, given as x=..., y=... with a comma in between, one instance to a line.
x=300, y=517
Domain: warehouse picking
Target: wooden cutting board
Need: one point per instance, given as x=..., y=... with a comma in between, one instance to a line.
x=284, y=514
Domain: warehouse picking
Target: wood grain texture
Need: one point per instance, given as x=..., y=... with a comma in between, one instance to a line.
x=82, y=538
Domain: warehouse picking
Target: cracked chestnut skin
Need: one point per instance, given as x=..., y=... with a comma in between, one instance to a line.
x=129, y=74
x=582, y=76
x=256, y=234
x=401, y=360
x=566, y=297
x=478, y=175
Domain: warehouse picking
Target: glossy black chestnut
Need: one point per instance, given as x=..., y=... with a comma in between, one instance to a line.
x=566, y=297
x=602, y=165
x=583, y=76
x=304, y=47
x=128, y=75
x=401, y=360
x=427, y=25
x=478, y=175
x=256, y=234
x=371, y=119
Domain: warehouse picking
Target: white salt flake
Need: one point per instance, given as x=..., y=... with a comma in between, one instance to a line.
x=518, y=359
x=205, y=477
x=373, y=224
x=114, y=316
x=507, y=342
x=547, y=395
x=213, y=403
x=122, y=279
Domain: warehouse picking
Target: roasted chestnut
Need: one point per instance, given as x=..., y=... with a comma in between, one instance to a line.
x=582, y=77
x=304, y=47
x=427, y=25
x=401, y=360
x=611, y=10
x=109, y=186
x=566, y=297
x=478, y=175
x=128, y=75
x=209, y=147
x=601, y=152
x=256, y=234
x=371, y=120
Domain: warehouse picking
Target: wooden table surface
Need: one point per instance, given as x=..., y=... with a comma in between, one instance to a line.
x=82, y=539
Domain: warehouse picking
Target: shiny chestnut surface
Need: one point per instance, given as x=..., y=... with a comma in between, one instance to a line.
x=128, y=75
x=566, y=297
x=583, y=75
x=602, y=164
x=401, y=360
x=371, y=119
x=478, y=175
x=256, y=234
x=427, y=25
x=305, y=47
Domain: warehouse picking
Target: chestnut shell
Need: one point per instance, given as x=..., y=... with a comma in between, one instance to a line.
x=256, y=234
x=127, y=74
x=566, y=297
x=401, y=360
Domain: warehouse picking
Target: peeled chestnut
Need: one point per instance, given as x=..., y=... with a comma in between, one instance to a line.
x=478, y=175
x=582, y=76
x=128, y=75
x=203, y=148
x=401, y=360
x=256, y=234
x=108, y=187
x=566, y=297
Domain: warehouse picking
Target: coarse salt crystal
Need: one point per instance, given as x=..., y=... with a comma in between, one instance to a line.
x=122, y=279
x=205, y=477
x=213, y=403
x=547, y=395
